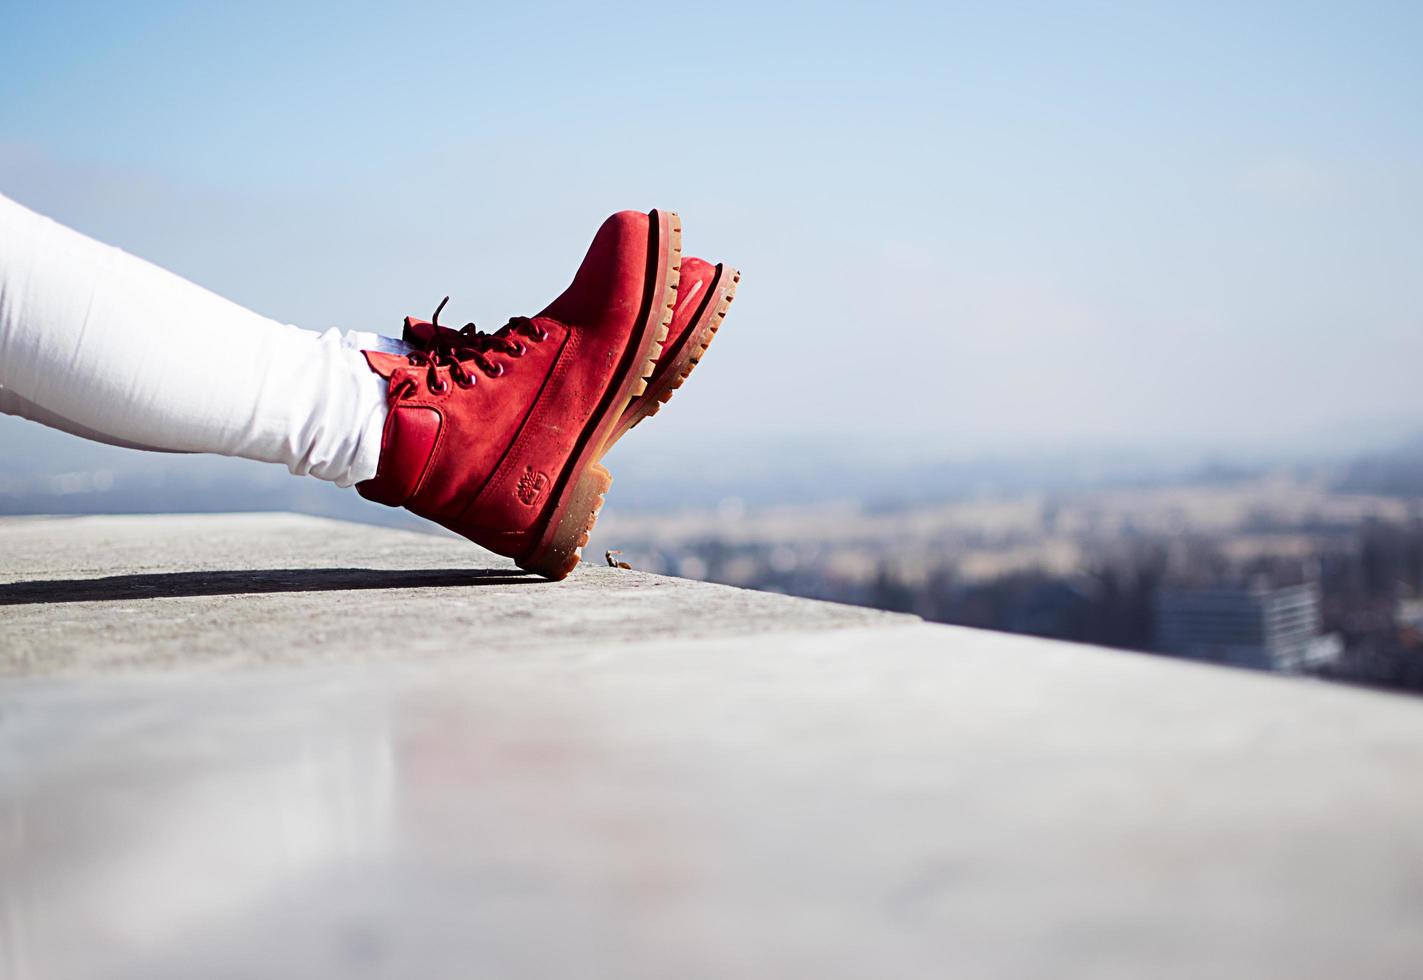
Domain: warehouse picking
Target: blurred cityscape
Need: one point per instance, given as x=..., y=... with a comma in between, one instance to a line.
x=1312, y=567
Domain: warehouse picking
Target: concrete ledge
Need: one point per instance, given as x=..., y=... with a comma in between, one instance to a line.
x=627, y=776
x=98, y=594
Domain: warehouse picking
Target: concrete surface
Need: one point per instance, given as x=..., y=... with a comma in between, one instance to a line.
x=275, y=746
x=99, y=594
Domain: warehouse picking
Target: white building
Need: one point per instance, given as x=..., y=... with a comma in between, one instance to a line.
x=1269, y=629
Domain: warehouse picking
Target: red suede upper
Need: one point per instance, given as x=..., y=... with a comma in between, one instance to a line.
x=696, y=281
x=485, y=460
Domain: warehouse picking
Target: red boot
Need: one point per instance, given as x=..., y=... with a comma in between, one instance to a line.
x=497, y=437
x=703, y=297
x=705, y=294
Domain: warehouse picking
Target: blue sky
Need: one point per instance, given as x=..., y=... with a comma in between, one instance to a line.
x=963, y=228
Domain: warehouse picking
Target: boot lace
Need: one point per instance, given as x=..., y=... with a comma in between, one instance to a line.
x=448, y=347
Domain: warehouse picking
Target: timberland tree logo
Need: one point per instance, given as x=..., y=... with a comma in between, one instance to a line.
x=531, y=485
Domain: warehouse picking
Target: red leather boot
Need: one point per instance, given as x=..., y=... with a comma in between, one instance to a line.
x=705, y=293
x=703, y=297
x=497, y=436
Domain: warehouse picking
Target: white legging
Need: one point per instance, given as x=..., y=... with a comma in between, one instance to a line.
x=104, y=345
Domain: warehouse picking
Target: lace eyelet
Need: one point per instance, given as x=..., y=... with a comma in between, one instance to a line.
x=440, y=388
x=518, y=349
x=468, y=381
x=540, y=335
x=497, y=372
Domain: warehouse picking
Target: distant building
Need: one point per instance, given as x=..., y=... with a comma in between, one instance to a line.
x=1257, y=626
x=1408, y=615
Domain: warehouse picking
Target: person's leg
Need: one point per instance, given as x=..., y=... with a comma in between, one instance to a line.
x=13, y=404
x=122, y=349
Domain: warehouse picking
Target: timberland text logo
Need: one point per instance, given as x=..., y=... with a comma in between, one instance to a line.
x=531, y=485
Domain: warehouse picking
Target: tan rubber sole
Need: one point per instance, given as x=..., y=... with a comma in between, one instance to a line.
x=675, y=373
x=586, y=484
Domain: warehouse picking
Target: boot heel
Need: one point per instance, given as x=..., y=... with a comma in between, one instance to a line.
x=559, y=554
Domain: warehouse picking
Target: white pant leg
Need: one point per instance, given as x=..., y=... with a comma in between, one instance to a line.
x=13, y=404
x=122, y=348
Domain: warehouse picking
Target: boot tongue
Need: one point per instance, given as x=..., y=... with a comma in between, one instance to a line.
x=421, y=333
x=385, y=364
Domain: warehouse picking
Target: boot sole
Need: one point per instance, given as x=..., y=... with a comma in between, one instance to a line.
x=675, y=372
x=583, y=483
